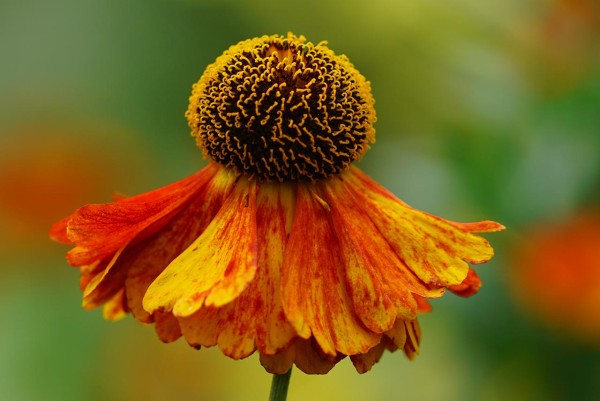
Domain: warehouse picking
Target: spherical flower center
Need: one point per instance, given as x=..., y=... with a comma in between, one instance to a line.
x=282, y=109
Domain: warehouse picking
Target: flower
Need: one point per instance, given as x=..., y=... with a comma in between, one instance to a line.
x=555, y=275
x=280, y=245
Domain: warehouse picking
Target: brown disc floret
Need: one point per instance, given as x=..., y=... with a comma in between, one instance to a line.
x=282, y=109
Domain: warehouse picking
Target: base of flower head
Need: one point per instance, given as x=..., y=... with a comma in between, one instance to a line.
x=303, y=273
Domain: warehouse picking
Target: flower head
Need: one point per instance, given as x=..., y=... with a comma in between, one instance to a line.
x=282, y=109
x=279, y=245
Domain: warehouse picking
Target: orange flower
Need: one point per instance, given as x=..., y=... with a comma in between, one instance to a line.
x=556, y=275
x=279, y=245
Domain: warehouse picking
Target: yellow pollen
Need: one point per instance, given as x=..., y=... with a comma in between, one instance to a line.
x=282, y=109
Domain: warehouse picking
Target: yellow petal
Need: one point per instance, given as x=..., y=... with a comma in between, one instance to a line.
x=217, y=266
x=433, y=248
x=255, y=319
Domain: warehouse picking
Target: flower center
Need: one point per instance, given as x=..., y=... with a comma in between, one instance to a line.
x=282, y=109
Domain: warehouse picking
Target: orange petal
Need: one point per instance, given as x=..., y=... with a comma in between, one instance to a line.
x=167, y=327
x=157, y=252
x=305, y=354
x=435, y=249
x=379, y=283
x=314, y=292
x=217, y=266
x=281, y=362
x=255, y=319
x=100, y=230
x=470, y=285
x=202, y=328
x=310, y=359
x=364, y=362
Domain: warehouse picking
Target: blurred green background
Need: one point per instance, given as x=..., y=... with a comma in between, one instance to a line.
x=486, y=110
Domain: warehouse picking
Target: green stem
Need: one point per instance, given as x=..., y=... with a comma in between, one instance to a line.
x=279, y=386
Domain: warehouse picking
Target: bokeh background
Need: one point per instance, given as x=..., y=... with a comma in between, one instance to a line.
x=486, y=110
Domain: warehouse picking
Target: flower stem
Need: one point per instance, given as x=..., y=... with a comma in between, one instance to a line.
x=279, y=386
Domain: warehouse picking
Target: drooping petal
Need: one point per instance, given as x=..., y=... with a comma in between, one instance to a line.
x=202, y=328
x=281, y=362
x=378, y=282
x=305, y=354
x=313, y=282
x=167, y=326
x=364, y=362
x=157, y=252
x=217, y=266
x=404, y=335
x=255, y=319
x=435, y=249
x=98, y=231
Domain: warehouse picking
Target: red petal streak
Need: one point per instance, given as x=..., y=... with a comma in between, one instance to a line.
x=255, y=319
x=217, y=266
x=100, y=230
x=313, y=283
